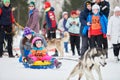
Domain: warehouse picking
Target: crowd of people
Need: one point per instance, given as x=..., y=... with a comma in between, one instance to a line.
x=92, y=25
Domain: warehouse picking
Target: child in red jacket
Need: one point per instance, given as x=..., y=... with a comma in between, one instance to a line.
x=50, y=20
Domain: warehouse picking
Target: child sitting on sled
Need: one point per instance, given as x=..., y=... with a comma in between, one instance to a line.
x=39, y=53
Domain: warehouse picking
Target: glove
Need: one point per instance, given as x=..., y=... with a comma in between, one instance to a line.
x=77, y=24
x=104, y=36
x=70, y=24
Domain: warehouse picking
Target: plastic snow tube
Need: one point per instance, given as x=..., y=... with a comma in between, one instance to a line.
x=43, y=67
x=41, y=63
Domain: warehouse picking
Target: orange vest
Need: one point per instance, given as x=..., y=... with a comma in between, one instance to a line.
x=95, y=28
x=39, y=53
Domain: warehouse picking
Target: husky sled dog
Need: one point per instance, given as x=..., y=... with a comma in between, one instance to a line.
x=92, y=60
x=58, y=43
x=55, y=44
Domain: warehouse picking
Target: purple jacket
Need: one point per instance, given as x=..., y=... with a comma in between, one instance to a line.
x=33, y=21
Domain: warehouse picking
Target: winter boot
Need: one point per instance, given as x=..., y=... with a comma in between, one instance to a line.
x=11, y=56
x=58, y=64
x=116, y=59
x=29, y=60
x=24, y=60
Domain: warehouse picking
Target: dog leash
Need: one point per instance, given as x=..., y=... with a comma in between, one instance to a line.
x=70, y=59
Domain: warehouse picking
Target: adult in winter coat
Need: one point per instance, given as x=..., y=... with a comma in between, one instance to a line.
x=73, y=24
x=105, y=7
x=113, y=31
x=51, y=20
x=83, y=19
x=25, y=43
x=33, y=19
x=6, y=21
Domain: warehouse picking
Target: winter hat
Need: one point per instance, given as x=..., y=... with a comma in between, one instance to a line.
x=73, y=12
x=27, y=31
x=64, y=13
x=32, y=3
x=4, y=1
x=116, y=9
x=36, y=39
x=95, y=6
x=47, y=5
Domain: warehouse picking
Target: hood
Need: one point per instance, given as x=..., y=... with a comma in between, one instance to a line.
x=52, y=9
x=85, y=6
x=49, y=9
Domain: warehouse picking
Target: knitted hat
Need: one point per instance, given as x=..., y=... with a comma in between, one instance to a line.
x=116, y=9
x=27, y=31
x=95, y=6
x=47, y=5
x=73, y=12
x=36, y=39
x=64, y=13
x=32, y=3
x=4, y=1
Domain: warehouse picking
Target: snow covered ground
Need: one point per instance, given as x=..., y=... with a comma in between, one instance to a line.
x=11, y=69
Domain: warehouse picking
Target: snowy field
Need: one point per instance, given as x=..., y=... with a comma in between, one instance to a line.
x=11, y=69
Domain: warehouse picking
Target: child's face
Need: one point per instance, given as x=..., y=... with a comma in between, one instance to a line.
x=38, y=44
x=89, y=7
x=65, y=16
x=29, y=36
x=7, y=4
x=95, y=11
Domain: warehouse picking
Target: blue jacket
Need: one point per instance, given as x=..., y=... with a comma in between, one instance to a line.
x=103, y=22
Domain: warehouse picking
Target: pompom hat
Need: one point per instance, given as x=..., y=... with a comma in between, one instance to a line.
x=36, y=39
x=47, y=5
x=27, y=31
x=95, y=6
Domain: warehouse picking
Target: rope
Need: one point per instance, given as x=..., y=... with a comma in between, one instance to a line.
x=17, y=24
x=14, y=32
